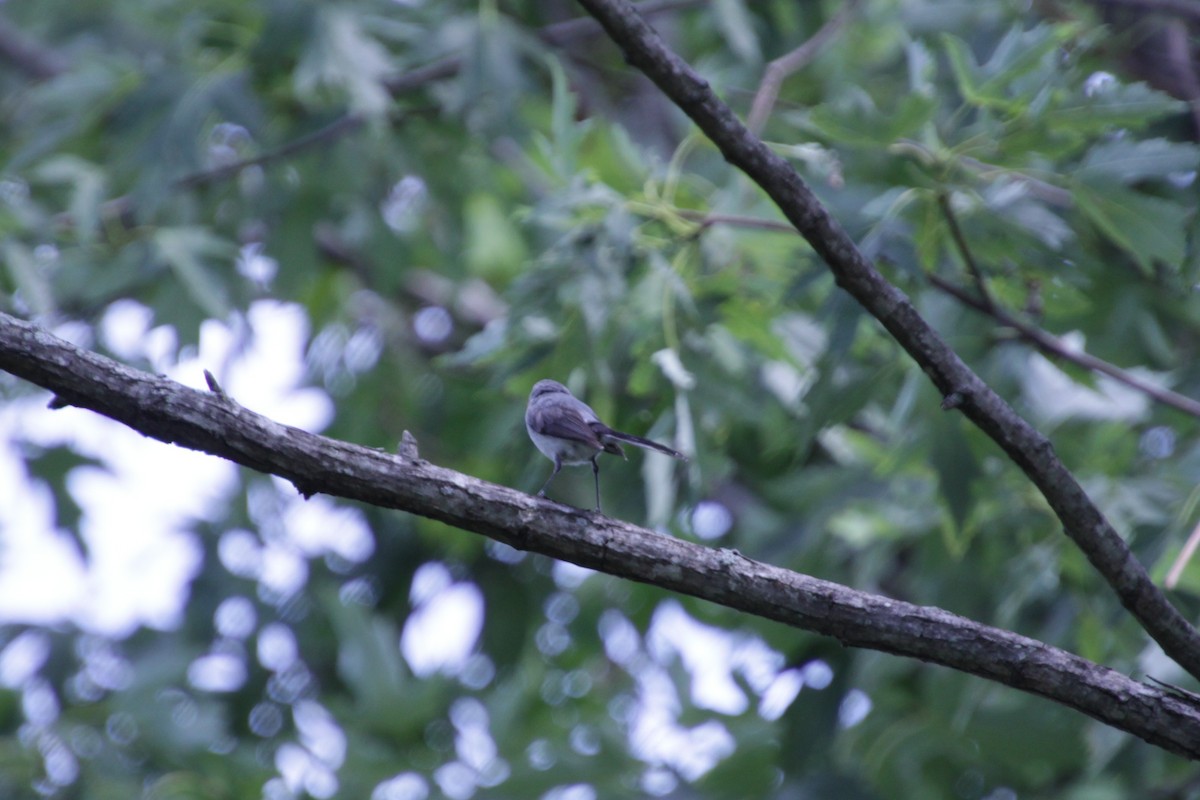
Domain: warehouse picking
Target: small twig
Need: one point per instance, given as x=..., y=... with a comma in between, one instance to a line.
x=1043, y=340
x=708, y=220
x=408, y=447
x=1183, y=559
x=953, y=401
x=779, y=69
x=964, y=249
x=213, y=386
x=334, y=130
x=1051, y=345
x=1177, y=691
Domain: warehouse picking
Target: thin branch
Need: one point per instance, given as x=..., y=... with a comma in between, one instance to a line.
x=214, y=423
x=1184, y=558
x=855, y=273
x=707, y=220
x=1051, y=345
x=334, y=130
x=779, y=69
x=964, y=249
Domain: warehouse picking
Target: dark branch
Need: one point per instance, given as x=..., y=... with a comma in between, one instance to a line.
x=213, y=423
x=852, y=271
x=964, y=249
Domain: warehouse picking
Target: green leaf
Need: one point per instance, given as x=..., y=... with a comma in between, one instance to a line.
x=185, y=251
x=494, y=247
x=343, y=57
x=567, y=132
x=1099, y=111
x=958, y=471
x=1150, y=229
x=737, y=26
x=88, y=189
x=1128, y=160
x=1016, y=73
x=29, y=277
x=1020, y=54
x=492, y=80
x=1012, y=202
x=963, y=67
x=854, y=119
x=972, y=81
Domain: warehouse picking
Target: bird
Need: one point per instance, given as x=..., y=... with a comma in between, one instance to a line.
x=567, y=431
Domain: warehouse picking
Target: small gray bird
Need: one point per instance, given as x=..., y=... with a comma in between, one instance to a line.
x=567, y=431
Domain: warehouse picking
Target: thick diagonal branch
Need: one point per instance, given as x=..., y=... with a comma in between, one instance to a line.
x=1031, y=451
x=214, y=423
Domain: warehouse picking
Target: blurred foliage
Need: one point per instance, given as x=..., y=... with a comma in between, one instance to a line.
x=523, y=210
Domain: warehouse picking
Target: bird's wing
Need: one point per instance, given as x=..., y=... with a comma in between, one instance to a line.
x=563, y=421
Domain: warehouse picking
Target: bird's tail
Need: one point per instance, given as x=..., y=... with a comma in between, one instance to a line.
x=645, y=444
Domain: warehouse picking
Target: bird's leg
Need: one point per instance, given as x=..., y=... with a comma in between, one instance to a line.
x=557, y=467
x=596, y=477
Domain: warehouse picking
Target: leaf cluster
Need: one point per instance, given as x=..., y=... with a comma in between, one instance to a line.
x=460, y=204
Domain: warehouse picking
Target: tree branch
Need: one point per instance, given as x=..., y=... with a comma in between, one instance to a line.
x=214, y=423
x=960, y=241
x=852, y=271
x=779, y=69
